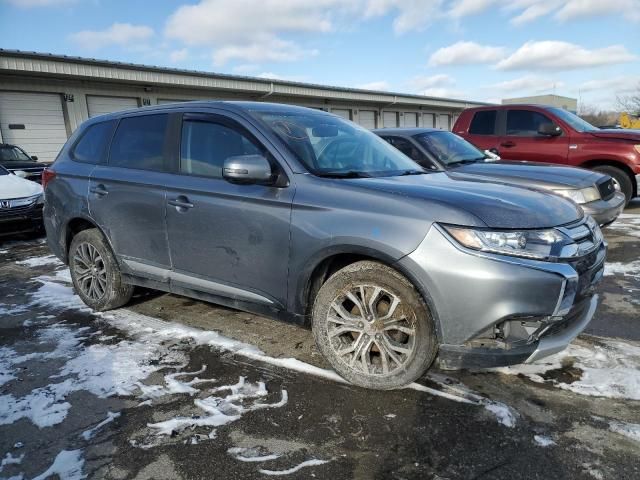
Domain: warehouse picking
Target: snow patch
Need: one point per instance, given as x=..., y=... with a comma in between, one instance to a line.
x=503, y=413
x=40, y=261
x=629, y=430
x=307, y=463
x=89, y=434
x=250, y=454
x=10, y=460
x=67, y=465
x=543, y=441
x=631, y=269
x=628, y=224
x=12, y=309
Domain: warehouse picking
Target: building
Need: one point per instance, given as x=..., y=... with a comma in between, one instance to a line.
x=568, y=103
x=44, y=97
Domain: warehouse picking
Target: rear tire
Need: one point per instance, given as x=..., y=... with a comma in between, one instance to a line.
x=95, y=272
x=620, y=178
x=384, y=342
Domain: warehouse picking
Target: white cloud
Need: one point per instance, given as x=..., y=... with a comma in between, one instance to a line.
x=248, y=30
x=122, y=34
x=528, y=83
x=409, y=14
x=378, y=85
x=566, y=10
x=614, y=84
x=464, y=8
x=555, y=55
x=466, y=53
x=177, y=56
x=271, y=49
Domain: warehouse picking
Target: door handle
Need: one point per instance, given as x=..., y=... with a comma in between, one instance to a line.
x=508, y=144
x=99, y=190
x=181, y=203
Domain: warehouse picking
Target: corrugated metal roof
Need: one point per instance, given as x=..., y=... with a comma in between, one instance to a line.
x=17, y=61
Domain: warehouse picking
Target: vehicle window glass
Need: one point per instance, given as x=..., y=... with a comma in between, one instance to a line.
x=572, y=119
x=93, y=143
x=330, y=146
x=206, y=145
x=410, y=150
x=524, y=122
x=448, y=148
x=9, y=153
x=139, y=143
x=484, y=122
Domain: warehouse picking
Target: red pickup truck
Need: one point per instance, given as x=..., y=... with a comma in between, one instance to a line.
x=548, y=134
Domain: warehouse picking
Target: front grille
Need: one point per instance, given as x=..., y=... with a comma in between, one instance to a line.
x=15, y=211
x=606, y=188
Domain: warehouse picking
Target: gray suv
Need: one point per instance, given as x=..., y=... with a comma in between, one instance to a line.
x=297, y=214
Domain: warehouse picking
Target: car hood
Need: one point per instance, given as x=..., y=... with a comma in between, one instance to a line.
x=617, y=134
x=538, y=175
x=12, y=186
x=497, y=205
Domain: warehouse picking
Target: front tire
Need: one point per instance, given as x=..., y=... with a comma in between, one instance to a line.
x=95, y=273
x=373, y=326
x=621, y=180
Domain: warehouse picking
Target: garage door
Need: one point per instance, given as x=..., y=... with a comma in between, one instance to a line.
x=444, y=122
x=410, y=119
x=428, y=120
x=346, y=114
x=33, y=121
x=367, y=119
x=390, y=119
x=99, y=105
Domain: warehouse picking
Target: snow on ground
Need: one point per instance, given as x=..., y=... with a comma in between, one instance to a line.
x=629, y=430
x=40, y=261
x=67, y=465
x=543, y=440
x=631, y=269
x=307, y=463
x=89, y=434
x=628, y=224
x=609, y=368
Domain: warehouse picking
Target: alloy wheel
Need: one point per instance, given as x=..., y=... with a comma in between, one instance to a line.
x=90, y=271
x=371, y=330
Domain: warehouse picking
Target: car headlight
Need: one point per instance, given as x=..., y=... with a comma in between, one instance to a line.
x=536, y=244
x=40, y=199
x=580, y=196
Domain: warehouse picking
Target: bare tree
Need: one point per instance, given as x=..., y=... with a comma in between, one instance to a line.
x=596, y=117
x=630, y=103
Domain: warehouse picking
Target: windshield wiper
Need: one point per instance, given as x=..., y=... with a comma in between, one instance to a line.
x=412, y=172
x=344, y=174
x=468, y=161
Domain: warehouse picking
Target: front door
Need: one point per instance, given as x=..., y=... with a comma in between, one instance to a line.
x=226, y=239
x=523, y=142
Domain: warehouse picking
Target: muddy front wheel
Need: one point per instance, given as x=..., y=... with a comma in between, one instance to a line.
x=373, y=326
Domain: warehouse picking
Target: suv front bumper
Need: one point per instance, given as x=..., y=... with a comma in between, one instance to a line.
x=472, y=294
x=605, y=211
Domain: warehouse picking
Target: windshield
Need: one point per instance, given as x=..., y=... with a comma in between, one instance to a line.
x=573, y=120
x=331, y=146
x=12, y=154
x=448, y=148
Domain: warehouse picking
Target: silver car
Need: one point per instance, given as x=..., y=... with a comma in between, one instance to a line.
x=299, y=215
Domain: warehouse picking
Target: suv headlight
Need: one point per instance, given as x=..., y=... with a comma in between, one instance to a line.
x=580, y=196
x=536, y=244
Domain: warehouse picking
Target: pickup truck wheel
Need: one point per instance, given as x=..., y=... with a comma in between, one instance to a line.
x=373, y=326
x=95, y=272
x=621, y=180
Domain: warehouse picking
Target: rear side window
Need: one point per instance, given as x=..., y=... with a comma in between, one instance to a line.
x=93, y=143
x=524, y=122
x=206, y=145
x=484, y=122
x=139, y=143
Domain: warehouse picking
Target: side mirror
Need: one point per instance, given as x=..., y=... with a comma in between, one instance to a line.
x=549, y=129
x=34, y=157
x=247, y=169
x=20, y=173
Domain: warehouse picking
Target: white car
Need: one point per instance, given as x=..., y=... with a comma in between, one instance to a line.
x=21, y=204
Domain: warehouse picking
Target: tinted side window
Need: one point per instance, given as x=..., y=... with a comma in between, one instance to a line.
x=206, y=145
x=484, y=122
x=524, y=122
x=406, y=147
x=93, y=144
x=139, y=143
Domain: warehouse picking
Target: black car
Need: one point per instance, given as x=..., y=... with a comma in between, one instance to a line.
x=15, y=159
x=439, y=150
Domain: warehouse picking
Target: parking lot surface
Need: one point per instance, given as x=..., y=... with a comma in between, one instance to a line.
x=174, y=388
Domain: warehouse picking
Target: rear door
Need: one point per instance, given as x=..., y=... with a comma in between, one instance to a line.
x=522, y=141
x=483, y=130
x=226, y=238
x=127, y=194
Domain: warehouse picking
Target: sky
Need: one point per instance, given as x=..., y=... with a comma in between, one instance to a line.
x=482, y=50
